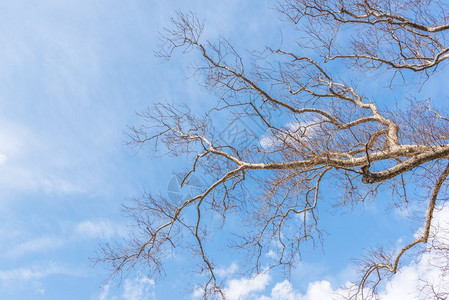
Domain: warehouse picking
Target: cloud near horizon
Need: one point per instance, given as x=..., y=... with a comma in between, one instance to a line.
x=423, y=278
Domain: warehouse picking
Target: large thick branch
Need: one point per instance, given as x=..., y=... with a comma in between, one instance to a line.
x=417, y=160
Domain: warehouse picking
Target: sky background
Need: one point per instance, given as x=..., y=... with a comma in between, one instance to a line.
x=73, y=74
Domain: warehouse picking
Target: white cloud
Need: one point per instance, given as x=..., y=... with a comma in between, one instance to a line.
x=224, y=272
x=99, y=229
x=13, y=137
x=40, y=244
x=31, y=277
x=317, y=290
x=243, y=288
x=320, y=290
x=40, y=290
x=282, y=290
x=139, y=289
x=419, y=279
x=268, y=142
x=24, y=274
x=297, y=131
x=27, y=163
x=248, y=289
x=104, y=295
x=3, y=158
x=271, y=254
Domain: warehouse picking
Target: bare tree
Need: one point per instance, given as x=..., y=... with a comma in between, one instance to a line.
x=319, y=128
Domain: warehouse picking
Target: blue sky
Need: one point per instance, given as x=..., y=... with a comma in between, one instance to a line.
x=73, y=74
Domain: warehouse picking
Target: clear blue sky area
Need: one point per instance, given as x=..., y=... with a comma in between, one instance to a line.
x=73, y=74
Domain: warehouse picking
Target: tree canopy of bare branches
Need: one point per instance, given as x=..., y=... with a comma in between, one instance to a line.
x=319, y=128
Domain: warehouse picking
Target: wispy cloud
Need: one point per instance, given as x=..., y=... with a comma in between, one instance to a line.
x=104, y=294
x=26, y=164
x=3, y=158
x=100, y=228
x=244, y=288
x=294, y=132
x=316, y=291
x=87, y=229
x=225, y=272
x=35, y=272
x=139, y=289
x=41, y=244
x=422, y=278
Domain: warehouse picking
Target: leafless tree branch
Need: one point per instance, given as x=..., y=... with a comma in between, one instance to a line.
x=326, y=130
